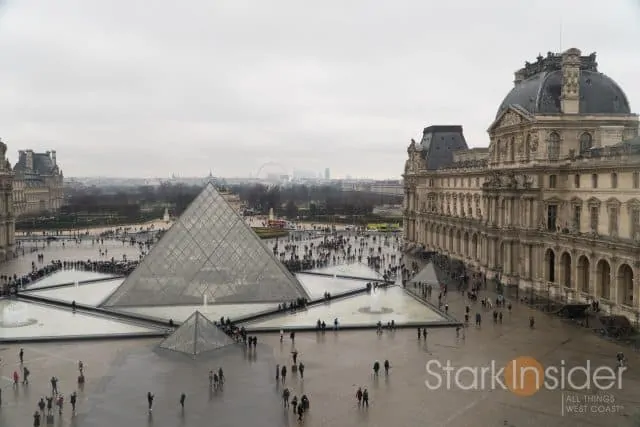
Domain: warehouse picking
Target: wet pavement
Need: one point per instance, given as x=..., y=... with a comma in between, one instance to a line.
x=69, y=252
x=119, y=374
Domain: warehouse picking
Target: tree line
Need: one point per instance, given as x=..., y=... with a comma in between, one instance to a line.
x=113, y=205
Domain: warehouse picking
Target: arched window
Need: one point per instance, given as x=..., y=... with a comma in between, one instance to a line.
x=586, y=142
x=554, y=146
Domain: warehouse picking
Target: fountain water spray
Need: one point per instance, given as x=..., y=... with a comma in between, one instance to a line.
x=15, y=315
x=204, y=300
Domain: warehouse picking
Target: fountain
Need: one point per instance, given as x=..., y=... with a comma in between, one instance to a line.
x=14, y=315
x=77, y=284
x=375, y=302
x=375, y=307
x=204, y=301
x=271, y=215
x=166, y=217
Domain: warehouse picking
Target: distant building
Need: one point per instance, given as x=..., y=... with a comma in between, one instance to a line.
x=38, y=183
x=388, y=187
x=327, y=173
x=7, y=218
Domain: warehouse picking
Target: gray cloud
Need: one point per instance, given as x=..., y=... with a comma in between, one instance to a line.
x=138, y=88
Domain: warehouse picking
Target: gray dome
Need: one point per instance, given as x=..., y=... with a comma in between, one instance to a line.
x=540, y=94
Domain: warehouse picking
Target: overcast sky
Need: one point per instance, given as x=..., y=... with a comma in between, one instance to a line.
x=135, y=88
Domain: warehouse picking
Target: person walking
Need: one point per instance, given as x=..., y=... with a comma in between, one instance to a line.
x=150, y=397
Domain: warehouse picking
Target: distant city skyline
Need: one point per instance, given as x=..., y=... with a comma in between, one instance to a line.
x=234, y=84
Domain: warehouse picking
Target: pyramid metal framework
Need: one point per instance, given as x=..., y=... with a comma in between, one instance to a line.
x=195, y=336
x=209, y=252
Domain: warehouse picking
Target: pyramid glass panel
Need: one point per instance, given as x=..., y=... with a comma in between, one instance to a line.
x=27, y=320
x=209, y=252
x=196, y=335
x=383, y=305
x=179, y=313
x=62, y=277
x=317, y=285
x=357, y=269
x=92, y=294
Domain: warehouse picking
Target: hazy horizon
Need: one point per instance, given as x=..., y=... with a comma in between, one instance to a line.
x=133, y=89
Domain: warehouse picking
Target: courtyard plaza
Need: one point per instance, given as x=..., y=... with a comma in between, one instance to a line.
x=69, y=251
x=119, y=373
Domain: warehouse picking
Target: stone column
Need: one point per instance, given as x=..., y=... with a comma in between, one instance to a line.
x=613, y=282
x=536, y=262
x=574, y=271
x=636, y=290
x=593, y=280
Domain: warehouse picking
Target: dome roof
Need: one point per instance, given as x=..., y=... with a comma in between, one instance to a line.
x=540, y=89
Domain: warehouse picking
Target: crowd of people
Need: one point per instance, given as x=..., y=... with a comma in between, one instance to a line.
x=15, y=283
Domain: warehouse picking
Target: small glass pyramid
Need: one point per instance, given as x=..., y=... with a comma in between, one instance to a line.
x=427, y=275
x=195, y=336
x=209, y=253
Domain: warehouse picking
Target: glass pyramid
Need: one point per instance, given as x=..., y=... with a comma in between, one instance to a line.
x=210, y=252
x=196, y=335
x=427, y=275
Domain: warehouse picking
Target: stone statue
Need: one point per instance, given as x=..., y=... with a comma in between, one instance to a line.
x=533, y=144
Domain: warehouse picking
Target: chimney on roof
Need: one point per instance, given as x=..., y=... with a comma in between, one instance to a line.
x=570, y=98
x=53, y=157
x=28, y=164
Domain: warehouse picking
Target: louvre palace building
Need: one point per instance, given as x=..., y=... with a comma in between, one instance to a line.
x=553, y=203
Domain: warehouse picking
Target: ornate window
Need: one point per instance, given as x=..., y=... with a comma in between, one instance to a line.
x=636, y=180
x=552, y=217
x=614, y=180
x=552, y=181
x=554, y=146
x=635, y=223
x=577, y=217
x=576, y=181
x=477, y=182
x=613, y=206
x=594, y=180
x=594, y=214
x=586, y=142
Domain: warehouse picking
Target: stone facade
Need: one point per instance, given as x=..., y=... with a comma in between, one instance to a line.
x=552, y=204
x=7, y=219
x=38, y=183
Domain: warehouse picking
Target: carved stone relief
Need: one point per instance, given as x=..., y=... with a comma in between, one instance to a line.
x=520, y=144
x=533, y=144
x=510, y=119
